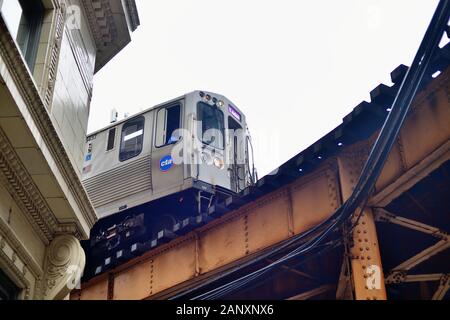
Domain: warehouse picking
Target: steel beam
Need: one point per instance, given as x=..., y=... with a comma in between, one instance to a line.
x=227, y=241
x=313, y=293
x=423, y=277
x=400, y=271
x=423, y=144
x=383, y=215
x=366, y=266
x=443, y=288
x=294, y=271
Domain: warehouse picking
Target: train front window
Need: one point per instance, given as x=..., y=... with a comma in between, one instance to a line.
x=132, y=139
x=211, y=128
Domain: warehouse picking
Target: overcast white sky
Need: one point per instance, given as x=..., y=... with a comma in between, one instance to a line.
x=295, y=68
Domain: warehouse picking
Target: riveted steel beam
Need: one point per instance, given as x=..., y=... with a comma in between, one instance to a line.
x=366, y=266
x=313, y=293
x=443, y=288
x=399, y=272
x=382, y=215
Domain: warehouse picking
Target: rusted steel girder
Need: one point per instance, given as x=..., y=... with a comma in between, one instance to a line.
x=366, y=265
x=225, y=241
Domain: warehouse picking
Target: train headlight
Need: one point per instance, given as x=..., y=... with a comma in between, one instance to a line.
x=220, y=103
x=218, y=163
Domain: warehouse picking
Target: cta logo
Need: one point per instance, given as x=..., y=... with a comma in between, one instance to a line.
x=166, y=163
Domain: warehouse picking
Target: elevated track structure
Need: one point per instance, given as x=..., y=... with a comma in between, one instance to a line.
x=396, y=245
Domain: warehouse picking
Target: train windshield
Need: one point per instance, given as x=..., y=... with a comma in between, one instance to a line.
x=211, y=128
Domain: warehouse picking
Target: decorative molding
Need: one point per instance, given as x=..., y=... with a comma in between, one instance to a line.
x=104, y=29
x=65, y=261
x=51, y=65
x=24, y=191
x=69, y=228
x=101, y=21
x=35, y=104
x=21, y=187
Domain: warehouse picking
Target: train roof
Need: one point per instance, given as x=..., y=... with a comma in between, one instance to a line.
x=115, y=124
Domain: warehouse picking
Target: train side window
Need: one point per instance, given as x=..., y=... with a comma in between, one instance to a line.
x=111, y=139
x=168, y=121
x=132, y=139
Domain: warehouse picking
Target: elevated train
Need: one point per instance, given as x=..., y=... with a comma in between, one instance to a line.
x=146, y=174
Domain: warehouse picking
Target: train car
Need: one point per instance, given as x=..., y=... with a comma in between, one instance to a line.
x=148, y=172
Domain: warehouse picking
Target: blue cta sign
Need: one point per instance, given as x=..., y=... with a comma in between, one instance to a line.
x=166, y=163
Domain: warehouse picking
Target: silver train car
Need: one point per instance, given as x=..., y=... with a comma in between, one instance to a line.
x=149, y=172
x=199, y=140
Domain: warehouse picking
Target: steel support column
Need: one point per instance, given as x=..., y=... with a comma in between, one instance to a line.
x=366, y=267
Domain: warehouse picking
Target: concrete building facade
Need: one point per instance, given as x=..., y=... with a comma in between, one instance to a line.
x=49, y=53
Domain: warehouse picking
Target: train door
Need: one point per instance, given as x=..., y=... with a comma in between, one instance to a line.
x=236, y=138
x=166, y=174
x=211, y=133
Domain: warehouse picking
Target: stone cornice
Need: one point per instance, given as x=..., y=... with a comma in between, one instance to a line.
x=104, y=29
x=101, y=21
x=21, y=186
x=41, y=118
x=28, y=197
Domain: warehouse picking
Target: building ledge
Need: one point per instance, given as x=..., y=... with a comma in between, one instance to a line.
x=28, y=110
x=111, y=23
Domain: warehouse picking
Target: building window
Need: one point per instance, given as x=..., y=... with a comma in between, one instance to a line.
x=24, y=19
x=8, y=290
x=111, y=139
x=132, y=139
x=211, y=129
x=168, y=121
